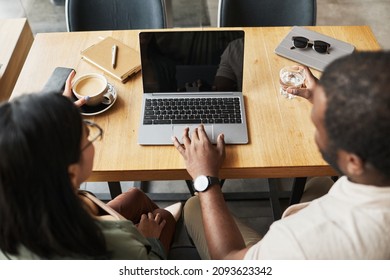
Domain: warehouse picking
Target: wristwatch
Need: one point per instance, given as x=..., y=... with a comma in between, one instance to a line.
x=202, y=182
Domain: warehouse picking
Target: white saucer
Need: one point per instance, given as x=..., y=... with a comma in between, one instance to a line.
x=98, y=109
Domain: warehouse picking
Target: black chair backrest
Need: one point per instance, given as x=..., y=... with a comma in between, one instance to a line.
x=250, y=13
x=89, y=15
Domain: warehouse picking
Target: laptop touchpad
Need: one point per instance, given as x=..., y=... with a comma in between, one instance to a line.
x=179, y=129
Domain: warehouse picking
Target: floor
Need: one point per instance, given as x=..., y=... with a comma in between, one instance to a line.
x=47, y=17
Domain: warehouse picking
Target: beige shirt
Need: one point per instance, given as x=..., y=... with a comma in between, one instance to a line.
x=352, y=221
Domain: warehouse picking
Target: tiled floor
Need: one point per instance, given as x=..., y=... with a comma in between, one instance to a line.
x=46, y=17
x=374, y=13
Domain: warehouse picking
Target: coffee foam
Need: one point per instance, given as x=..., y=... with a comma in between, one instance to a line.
x=90, y=86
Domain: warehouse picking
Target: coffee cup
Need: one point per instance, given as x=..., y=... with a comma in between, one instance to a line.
x=95, y=86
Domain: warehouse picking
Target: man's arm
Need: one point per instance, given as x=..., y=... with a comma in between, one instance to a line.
x=224, y=240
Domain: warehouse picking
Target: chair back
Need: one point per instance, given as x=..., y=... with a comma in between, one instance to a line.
x=251, y=13
x=90, y=15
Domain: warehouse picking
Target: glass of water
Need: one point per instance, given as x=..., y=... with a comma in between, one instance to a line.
x=290, y=76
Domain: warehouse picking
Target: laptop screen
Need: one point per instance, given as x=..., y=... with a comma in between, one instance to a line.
x=192, y=61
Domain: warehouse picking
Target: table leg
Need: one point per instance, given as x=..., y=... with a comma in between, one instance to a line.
x=273, y=185
x=297, y=189
x=115, y=189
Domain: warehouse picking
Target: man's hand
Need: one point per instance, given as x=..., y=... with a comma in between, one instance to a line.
x=307, y=90
x=151, y=226
x=68, y=90
x=200, y=156
x=224, y=239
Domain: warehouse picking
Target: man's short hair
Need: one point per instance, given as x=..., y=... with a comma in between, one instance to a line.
x=357, y=118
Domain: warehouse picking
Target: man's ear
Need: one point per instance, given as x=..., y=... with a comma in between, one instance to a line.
x=74, y=171
x=354, y=165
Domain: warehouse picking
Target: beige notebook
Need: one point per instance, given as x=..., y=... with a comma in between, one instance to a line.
x=127, y=59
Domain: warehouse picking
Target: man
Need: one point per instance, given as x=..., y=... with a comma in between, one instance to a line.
x=351, y=114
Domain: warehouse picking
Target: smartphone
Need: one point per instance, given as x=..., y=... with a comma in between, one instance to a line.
x=57, y=79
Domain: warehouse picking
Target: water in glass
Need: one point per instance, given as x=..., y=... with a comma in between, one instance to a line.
x=290, y=76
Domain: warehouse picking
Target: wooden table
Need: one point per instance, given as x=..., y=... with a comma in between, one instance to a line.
x=280, y=130
x=15, y=41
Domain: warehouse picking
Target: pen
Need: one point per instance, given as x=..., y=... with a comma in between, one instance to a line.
x=113, y=55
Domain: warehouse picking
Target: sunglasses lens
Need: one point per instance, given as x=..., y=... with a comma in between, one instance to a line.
x=321, y=46
x=300, y=42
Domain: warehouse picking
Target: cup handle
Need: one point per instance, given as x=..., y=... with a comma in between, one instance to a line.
x=108, y=98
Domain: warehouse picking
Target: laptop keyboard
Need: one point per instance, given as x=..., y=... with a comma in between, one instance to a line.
x=192, y=110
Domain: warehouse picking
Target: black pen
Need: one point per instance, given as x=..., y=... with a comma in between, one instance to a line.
x=113, y=55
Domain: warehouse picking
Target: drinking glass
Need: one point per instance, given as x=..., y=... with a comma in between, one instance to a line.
x=290, y=76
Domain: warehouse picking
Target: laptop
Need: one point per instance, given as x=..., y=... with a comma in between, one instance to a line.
x=191, y=78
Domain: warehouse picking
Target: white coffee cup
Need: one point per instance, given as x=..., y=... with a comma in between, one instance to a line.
x=95, y=86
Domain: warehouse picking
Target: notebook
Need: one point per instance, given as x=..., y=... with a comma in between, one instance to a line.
x=189, y=78
x=100, y=54
x=308, y=56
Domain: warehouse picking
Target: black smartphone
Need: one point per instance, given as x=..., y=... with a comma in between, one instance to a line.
x=56, y=81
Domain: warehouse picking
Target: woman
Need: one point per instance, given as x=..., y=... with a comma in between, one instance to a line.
x=46, y=153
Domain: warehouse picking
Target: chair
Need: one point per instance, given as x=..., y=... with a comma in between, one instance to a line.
x=250, y=13
x=90, y=15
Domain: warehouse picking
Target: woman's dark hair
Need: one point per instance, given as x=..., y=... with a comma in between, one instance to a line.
x=357, y=117
x=40, y=136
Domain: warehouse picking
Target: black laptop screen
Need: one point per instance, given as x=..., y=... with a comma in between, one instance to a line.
x=192, y=61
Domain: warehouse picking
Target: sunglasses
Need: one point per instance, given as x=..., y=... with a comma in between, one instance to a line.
x=303, y=43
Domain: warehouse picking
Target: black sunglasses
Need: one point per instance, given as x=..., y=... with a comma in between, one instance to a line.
x=303, y=43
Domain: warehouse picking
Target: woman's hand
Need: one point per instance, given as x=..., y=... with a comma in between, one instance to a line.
x=151, y=226
x=306, y=91
x=68, y=90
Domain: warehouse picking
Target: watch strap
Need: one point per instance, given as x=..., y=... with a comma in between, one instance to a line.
x=213, y=181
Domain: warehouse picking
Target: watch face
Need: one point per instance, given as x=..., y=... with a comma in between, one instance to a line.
x=201, y=183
